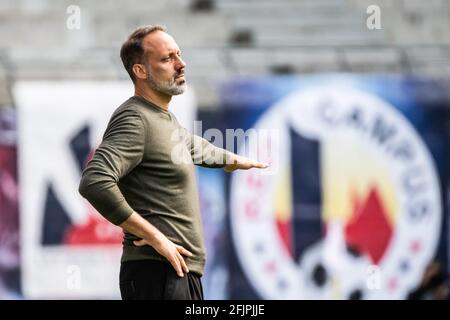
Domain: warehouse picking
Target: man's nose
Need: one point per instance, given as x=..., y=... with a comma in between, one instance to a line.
x=180, y=64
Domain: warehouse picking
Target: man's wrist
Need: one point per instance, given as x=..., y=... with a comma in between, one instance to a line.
x=154, y=237
x=229, y=158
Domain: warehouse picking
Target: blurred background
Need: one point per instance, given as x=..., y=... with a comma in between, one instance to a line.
x=357, y=92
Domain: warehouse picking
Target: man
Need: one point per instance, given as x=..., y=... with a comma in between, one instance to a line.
x=137, y=181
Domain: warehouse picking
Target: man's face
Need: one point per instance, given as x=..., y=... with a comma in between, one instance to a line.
x=165, y=68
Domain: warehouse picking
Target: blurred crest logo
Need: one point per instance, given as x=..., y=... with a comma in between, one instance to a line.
x=355, y=196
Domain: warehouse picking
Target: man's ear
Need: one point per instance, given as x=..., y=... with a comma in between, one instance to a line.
x=140, y=71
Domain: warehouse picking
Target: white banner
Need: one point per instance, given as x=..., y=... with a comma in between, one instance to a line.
x=67, y=249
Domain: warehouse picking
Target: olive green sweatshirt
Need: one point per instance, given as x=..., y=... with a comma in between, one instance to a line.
x=145, y=163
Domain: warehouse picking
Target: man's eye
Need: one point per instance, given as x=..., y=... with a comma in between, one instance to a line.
x=167, y=59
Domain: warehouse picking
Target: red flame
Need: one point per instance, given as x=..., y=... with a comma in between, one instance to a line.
x=368, y=230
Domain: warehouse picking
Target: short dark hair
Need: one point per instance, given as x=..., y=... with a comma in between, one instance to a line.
x=132, y=51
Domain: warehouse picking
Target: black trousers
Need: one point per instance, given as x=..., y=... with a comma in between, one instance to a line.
x=157, y=280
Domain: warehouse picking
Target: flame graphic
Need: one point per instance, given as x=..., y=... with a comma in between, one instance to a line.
x=368, y=229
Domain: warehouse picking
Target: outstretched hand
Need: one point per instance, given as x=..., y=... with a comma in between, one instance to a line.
x=239, y=162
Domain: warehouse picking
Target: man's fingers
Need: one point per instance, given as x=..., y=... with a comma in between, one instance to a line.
x=183, y=251
x=176, y=265
x=260, y=165
x=254, y=164
x=183, y=263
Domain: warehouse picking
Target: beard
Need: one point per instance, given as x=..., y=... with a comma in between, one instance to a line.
x=170, y=87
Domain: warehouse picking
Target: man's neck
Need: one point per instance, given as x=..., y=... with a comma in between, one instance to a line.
x=160, y=99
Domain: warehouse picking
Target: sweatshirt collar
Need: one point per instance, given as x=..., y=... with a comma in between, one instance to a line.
x=149, y=103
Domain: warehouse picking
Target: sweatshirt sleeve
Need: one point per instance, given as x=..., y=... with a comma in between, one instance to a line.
x=206, y=154
x=121, y=150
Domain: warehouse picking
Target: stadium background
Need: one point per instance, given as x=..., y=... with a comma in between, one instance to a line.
x=244, y=58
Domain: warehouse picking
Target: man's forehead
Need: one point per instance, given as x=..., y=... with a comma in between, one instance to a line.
x=159, y=42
